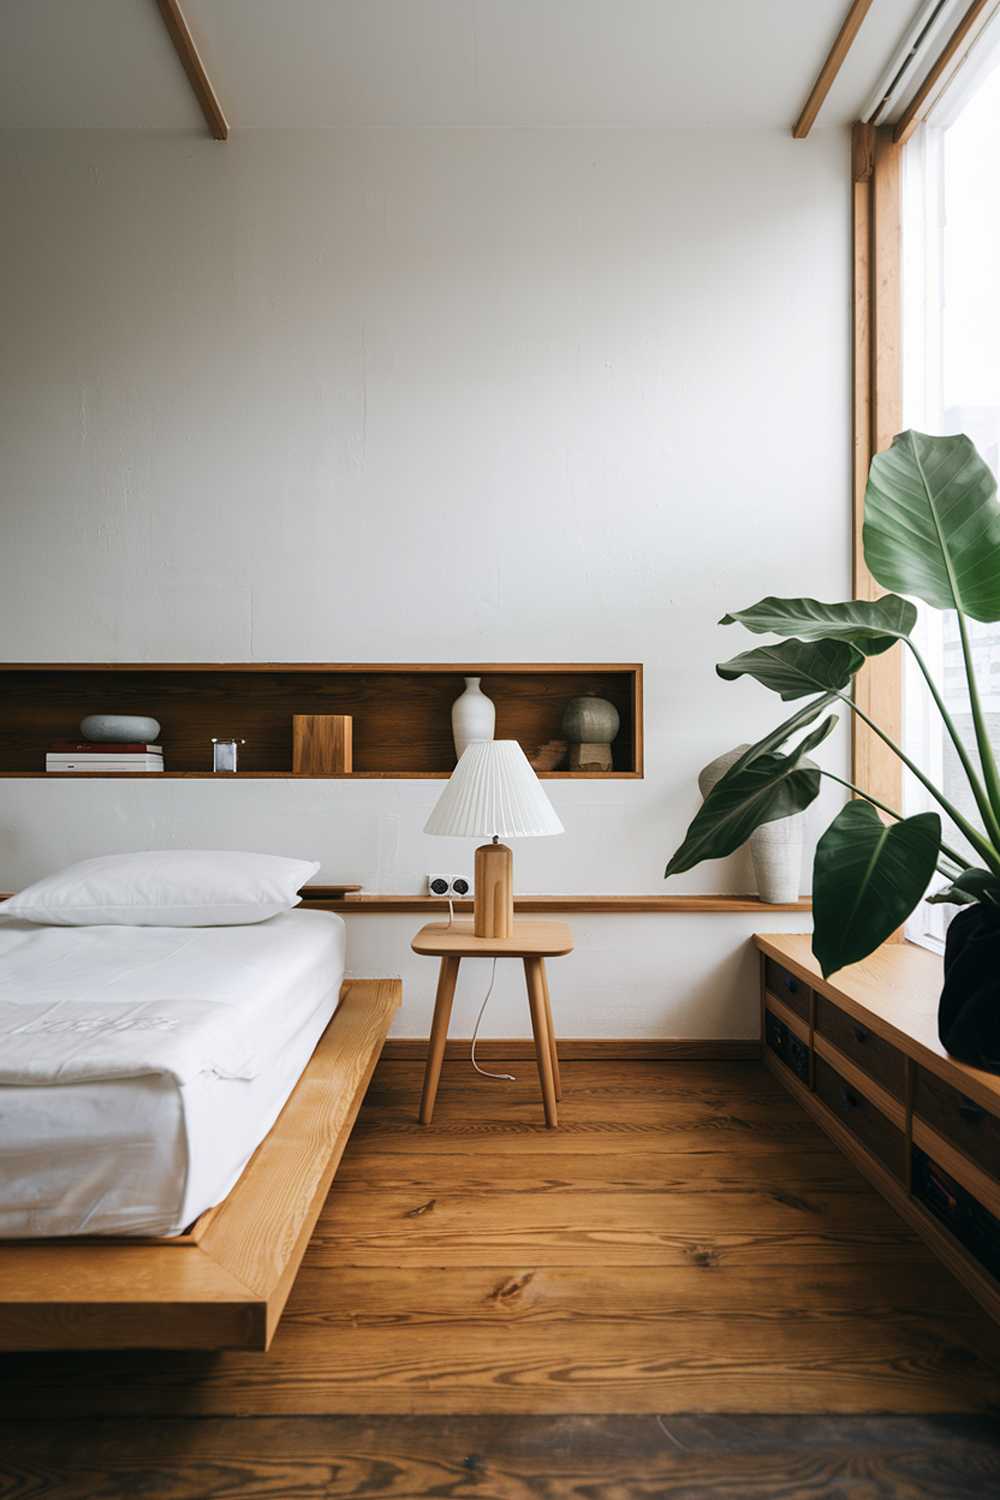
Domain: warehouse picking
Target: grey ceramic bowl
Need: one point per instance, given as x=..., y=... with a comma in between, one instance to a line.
x=589, y=720
x=120, y=728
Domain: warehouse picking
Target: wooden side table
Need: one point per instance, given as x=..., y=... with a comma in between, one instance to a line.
x=533, y=942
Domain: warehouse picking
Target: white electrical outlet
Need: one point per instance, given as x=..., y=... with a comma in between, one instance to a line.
x=457, y=887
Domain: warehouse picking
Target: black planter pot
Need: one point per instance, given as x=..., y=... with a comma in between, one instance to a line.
x=969, y=1012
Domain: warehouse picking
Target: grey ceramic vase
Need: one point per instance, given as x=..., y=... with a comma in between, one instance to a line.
x=590, y=721
x=775, y=848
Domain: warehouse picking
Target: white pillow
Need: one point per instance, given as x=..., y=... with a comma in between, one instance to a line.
x=165, y=888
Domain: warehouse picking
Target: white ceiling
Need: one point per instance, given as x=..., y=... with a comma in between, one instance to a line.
x=327, y=63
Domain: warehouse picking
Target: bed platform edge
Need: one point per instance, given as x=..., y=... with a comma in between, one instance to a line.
x=227, y=1287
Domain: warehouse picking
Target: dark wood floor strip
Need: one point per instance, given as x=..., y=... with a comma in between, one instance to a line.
x=571, y=1458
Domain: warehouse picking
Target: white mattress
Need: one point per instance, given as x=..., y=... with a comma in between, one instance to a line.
x=146, y=1152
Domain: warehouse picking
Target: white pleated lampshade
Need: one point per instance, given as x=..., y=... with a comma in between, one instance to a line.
x=493, y=791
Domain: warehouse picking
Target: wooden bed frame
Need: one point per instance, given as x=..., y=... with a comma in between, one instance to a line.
x=223, y=1284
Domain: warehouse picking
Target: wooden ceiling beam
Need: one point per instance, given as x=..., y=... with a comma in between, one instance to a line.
x=190, y=59
x=834, y=62
x=915, y=110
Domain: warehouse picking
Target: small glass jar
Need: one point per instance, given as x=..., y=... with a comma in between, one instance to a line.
x=224, y=754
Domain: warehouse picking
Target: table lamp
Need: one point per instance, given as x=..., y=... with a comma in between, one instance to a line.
x=493, y=793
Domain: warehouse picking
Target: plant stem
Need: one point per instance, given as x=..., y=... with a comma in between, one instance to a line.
x=986, y=756
x=982, y=846
x=963, y=864
x=987, y=811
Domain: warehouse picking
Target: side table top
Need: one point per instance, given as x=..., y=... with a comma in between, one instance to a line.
x=528, y=940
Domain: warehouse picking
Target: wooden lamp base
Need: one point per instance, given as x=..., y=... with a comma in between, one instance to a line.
x=493, y=905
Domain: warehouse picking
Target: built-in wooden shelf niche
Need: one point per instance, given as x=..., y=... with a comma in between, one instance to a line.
x=402, y=714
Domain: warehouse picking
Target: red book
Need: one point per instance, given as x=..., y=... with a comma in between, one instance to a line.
x=109, y=748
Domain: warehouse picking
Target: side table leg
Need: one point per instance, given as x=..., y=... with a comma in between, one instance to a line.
x=447, y=978
x=534, y=973
x=556, y=1075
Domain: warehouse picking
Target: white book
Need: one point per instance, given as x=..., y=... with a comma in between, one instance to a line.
x=99, y=764
x=123, y=758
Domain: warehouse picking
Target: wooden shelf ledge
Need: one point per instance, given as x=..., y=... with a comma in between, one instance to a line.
x=353, y=901
x=374, y=904
x=294, y=775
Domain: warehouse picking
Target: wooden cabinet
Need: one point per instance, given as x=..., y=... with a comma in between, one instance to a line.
x=964, y=1124
x=861, y=1053
x=870, y=1052
x=961, y=1213
x=866, y=1122
x=787, y=988
x=787, y=1045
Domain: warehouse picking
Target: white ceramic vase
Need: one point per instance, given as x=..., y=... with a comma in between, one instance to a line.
x=775, y=848
x=473, y=717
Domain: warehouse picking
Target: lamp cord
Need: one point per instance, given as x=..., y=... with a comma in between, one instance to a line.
x=483, y=1072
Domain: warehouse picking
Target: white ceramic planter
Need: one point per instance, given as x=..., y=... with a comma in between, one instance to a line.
x=775, y=848
x=473, y=717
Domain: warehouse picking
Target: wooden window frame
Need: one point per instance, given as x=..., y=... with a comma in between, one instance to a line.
x=876, y=180
x=877, y=395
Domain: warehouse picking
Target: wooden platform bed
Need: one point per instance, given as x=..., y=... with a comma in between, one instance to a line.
x=224, y=1284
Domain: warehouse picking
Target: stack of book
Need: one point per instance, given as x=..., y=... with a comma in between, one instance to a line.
x=102, y=759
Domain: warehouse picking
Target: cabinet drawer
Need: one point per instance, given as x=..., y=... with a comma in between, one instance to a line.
x=971, y=1224
x=784, y=986
x=962, y=1122
x=861, y=1117
x=877, y=1057
x=785, y=1044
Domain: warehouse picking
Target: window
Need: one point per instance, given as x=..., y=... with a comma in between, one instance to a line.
x=951, y=383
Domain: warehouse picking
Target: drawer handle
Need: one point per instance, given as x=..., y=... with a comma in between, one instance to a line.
x=971, y=1111
x=861, y=1034
x=849, y=1097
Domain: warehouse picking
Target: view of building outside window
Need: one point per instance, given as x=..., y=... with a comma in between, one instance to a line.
x=951, y=355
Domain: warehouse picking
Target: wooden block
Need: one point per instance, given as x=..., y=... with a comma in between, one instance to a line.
x=586, y=757
x=550, y=756
x=322, y=744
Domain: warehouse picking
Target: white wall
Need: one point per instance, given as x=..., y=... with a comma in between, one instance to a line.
x=428, y=395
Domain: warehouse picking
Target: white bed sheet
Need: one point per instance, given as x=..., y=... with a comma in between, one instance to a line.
x=146, y=1154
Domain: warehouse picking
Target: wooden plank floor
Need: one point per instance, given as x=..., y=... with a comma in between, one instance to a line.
x=687, y=1243
x=492, y=1458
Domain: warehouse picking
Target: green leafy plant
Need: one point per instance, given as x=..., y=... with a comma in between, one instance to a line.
x=931, y=531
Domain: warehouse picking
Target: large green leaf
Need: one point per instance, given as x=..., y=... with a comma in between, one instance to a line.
x=777, y=737
x=759, y=788
x=870, y=625
x=932, y=524
x=968, y=888
x=867, y=878
x=795, y=668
